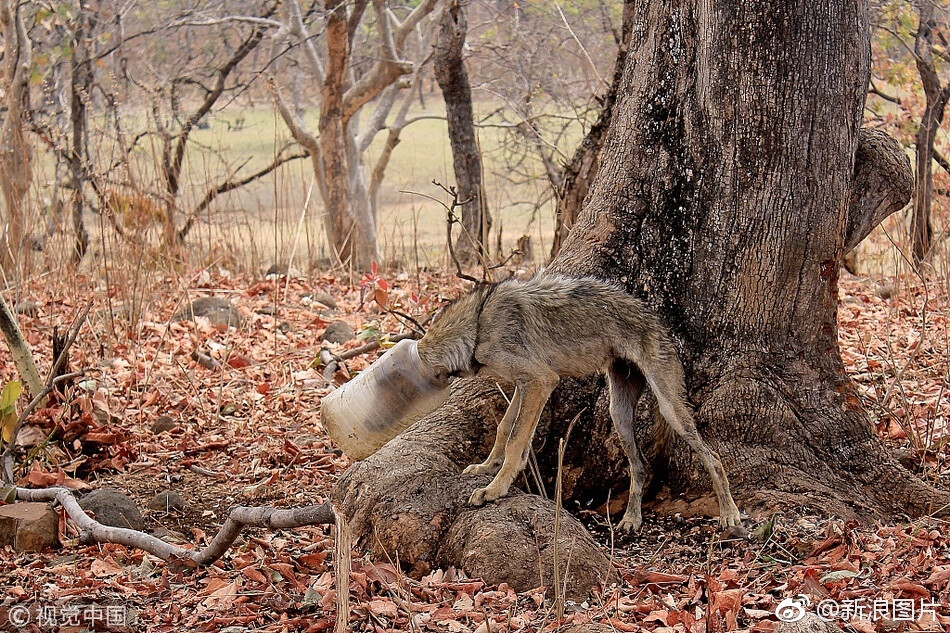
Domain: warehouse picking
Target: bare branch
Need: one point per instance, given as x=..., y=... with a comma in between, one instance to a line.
x=404, y=28
x=299, y=30
x=229, y=185
x=377, y=122
x=296, y=126
x=590, y=61
x=385, y=71
x=395, y=130
x=387, y=46
x=91, y=531
x=230, y=19
x=941, y=160
x=874, y=90
x=173, y=164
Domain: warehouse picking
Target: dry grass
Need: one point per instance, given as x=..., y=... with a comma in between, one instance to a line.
x=257, y=225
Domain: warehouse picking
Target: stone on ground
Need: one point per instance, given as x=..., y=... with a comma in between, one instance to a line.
x=114, y=508
x=29, y=526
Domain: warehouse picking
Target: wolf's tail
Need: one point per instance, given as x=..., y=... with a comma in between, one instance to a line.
x=655, y=356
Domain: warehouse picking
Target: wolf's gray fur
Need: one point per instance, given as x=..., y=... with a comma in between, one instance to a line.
x=533, y=333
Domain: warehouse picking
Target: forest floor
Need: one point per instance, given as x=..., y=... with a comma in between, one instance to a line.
x=247, y=432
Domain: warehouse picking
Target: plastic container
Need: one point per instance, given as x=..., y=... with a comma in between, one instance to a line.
x=382, y=401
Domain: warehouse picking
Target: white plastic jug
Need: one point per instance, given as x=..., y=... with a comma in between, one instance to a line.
x=382, y=401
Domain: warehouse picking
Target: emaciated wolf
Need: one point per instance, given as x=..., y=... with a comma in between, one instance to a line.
x=533, y=333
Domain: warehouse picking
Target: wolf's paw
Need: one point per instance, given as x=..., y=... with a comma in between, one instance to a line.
x=486, y=495
x=485, y=468
x=630, y=523
x=730, y=517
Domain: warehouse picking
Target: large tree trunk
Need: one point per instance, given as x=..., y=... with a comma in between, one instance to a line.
x=726, y=198
x=457, y=93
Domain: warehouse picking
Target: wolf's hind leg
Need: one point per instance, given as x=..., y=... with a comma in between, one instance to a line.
x=535, y=390
x=626, y=383
x=665, y=376
x=493, y=462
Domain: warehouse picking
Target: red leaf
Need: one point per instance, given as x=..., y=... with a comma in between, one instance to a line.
x=383, y=607
x=238, y=362
x=911, y=588
x=254, y=575
x=314, y=561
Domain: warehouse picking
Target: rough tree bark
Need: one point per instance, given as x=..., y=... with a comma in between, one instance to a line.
x=732, y=182
x=452, y=77
x=15, y=151
x=936, y=95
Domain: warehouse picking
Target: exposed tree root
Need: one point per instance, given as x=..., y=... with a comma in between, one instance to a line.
x=409, y=502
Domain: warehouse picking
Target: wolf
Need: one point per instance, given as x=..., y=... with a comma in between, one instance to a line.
x=532, y=334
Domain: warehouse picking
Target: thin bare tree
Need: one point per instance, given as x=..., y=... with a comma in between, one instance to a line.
x=16, y=153
x=453, y=80
x=937, y=94
x=323, y=41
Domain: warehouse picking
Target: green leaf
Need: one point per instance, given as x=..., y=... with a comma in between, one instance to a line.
x=369, y=332
x=763, y=532
x=11, y=392
x=8, y=494
x=835, y=576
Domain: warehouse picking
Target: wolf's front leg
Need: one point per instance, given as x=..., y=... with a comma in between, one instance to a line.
x=493, y=462
x=534, y=394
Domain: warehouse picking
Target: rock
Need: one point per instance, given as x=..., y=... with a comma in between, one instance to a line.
x=27, y=308
x=339, y=332
x=112, y=507
x=167, y=501
x=282, y=270
x=29, y=526
x=218, y=310
x=325, y=299
x=163, y=423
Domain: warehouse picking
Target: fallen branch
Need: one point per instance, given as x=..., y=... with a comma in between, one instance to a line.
x=91, y=531
x=198, y=470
